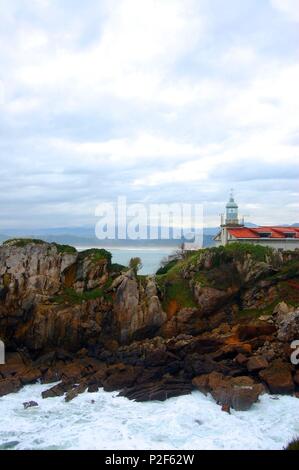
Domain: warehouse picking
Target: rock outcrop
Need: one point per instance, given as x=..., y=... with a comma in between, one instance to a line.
x=218, y=320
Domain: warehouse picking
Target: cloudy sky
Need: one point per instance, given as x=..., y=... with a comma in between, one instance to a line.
x=158, y=100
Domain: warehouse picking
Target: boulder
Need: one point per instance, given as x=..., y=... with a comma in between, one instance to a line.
x=288, y=327
x=278, y=378
x=208, y=382
x=74, y=392
x=9, y=386
x=58, y=390
x=30, y=404
x=30, y=376
x=239, y=393
x=257, y=363
x=282, y=310
x=241, y=359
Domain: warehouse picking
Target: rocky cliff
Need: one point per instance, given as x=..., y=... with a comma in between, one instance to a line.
x=221, y=320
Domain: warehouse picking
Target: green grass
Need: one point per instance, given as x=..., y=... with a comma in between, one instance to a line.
x=258, y=312
x=65, y=249
x=21, y=242
x=258, y=252
x=164, y=269
x=96, y=255
x=181, y=293
x=70, y=296
x=117, y=268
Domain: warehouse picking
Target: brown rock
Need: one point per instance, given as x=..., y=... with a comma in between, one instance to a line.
x=30, y=376
x=159, y=390
x=241, y=359
x=254, y=330
x=93, y=388
x=71, y=394
x=58, y=390
x=278, y=377
x=202, y=383
x=9, y=386
x=257, y=363
x=239, y=393
x=119, y=377
x=226, y=408
x=208, y=382
x=296, y=378
x=52, y=375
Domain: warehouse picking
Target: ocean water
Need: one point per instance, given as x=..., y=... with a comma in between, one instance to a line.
x=112, y=422
x=151, y=257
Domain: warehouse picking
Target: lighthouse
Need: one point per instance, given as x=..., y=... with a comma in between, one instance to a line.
x=232, y=213
x=232, y=230
x=230, y=219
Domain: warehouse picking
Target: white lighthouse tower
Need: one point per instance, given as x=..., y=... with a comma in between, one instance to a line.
x=231, y=218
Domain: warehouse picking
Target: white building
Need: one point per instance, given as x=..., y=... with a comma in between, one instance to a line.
x=232, y=229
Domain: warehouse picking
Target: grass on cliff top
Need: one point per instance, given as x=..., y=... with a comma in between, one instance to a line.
x=70, y=296
x=68, y=249
x=219, y=256
x=96, y=255
x=224, y=254
x=21, y=242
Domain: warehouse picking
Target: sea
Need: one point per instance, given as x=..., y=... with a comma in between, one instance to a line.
x=151, y=257
x=103, y=420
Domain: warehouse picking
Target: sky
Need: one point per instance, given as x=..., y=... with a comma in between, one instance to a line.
x=160, y=101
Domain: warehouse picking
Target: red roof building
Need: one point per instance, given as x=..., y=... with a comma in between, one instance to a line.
x=234, y=230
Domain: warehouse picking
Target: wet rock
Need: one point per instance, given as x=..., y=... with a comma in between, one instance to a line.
x=226, y=409
x=239, y=393
x=74, y=392
x=278, y=377
x=159, y=390
x=9, y=386
x=58, y=390
x=208, y=382
x=120, y=376
x=30, y=404
x=52, y=375
x=30, y=376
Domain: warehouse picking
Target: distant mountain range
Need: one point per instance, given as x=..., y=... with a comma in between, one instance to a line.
x=85, y=236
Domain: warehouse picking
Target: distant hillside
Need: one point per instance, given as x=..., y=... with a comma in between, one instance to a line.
x=74, y=240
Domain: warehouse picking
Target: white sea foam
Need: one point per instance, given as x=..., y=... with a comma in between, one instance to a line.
x=112, y=422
